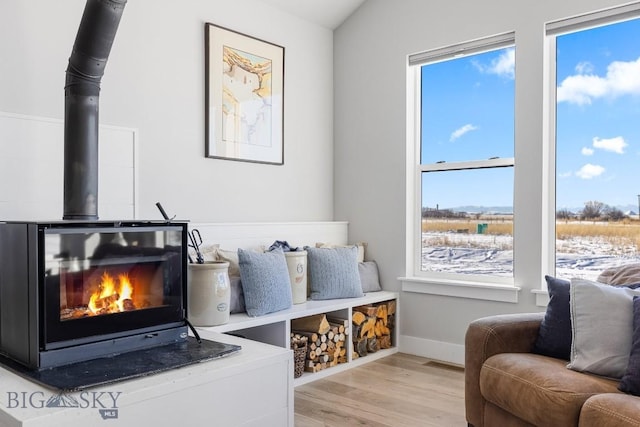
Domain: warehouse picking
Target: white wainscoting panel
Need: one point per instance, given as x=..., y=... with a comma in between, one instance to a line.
x=252, y=235
x=31, y=169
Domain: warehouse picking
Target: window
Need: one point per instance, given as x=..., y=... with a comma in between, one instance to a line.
x=595, y=75
x=463, y=133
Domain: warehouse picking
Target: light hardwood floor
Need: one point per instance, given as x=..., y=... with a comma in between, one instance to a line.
x=399, y=390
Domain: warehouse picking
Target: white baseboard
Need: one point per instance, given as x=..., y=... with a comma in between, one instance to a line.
x=437, y=350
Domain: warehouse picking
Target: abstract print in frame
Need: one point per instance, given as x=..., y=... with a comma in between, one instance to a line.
x=244, y=84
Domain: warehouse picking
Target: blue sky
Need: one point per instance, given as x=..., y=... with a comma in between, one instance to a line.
x=468, y=107
x=598, y=115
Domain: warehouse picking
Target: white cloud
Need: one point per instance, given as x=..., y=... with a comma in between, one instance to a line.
x=586, y=151
x=584, y=67
x=580, y=89
x=616, y=145
x=503, y=66
x=622, y=78
x=589, y=171
x=461, y=131
x=565, y=174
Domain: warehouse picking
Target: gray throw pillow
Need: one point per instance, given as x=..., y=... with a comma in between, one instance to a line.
x=333, y=273
x=369, y=278
x=630, y=382
x=602, y=327
x=237, y=296
x=265, y=281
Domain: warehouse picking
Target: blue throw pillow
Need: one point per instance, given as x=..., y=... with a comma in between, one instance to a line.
x=265, y=281
x=630, y=382
x=333, y=273
x=554, y=337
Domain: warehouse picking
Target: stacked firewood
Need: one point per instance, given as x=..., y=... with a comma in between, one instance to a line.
x=373, y=326
x=326, y=338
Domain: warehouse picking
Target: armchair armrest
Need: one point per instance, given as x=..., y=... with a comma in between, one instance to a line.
x=488, y=336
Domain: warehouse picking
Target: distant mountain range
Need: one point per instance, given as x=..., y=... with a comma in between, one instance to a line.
x=626, y=209
x=508, y=210
x=504, y=210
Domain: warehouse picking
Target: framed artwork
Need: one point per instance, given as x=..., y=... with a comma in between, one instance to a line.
x=244, y=84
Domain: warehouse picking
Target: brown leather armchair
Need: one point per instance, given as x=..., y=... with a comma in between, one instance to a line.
x=487, y=337
x=507, y=385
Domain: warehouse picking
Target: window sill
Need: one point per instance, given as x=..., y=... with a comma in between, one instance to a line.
x=461, y=289
x=542, y=297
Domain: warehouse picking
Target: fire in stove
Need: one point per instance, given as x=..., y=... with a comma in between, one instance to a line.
x=102, y=291
x=112, y=296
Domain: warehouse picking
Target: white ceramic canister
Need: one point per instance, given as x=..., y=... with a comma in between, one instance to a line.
x=297, y=265
x=208, y=293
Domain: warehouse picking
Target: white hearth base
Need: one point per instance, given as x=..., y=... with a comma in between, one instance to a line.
x=252, y=387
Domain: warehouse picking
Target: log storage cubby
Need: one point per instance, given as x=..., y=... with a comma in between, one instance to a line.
x=326, y=340
x=328, y=329
x=373, y=327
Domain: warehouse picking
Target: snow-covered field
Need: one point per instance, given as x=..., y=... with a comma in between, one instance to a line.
x=487, y=254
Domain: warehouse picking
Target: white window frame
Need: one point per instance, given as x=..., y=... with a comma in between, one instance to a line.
x=486, y=287
x=554, y=29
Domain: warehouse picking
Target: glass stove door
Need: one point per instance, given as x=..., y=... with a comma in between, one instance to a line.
x=105, y=281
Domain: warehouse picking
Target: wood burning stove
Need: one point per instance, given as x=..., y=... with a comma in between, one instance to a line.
x=77, y=290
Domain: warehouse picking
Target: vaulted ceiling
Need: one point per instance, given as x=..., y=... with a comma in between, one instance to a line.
x=327, y=13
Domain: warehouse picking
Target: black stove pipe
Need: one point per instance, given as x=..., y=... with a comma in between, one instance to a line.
x=89, y=56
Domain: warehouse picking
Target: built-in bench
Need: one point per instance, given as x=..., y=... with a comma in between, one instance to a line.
x=275, y=328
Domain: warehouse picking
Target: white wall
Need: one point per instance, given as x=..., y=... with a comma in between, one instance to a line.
x=370, y=51
x=154, y=82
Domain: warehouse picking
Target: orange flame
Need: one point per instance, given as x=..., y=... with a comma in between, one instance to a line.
x=110, y=295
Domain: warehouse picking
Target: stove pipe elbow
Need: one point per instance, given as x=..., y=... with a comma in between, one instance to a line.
x=84, y=73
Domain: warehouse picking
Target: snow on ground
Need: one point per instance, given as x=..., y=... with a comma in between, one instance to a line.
x=487, y=254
